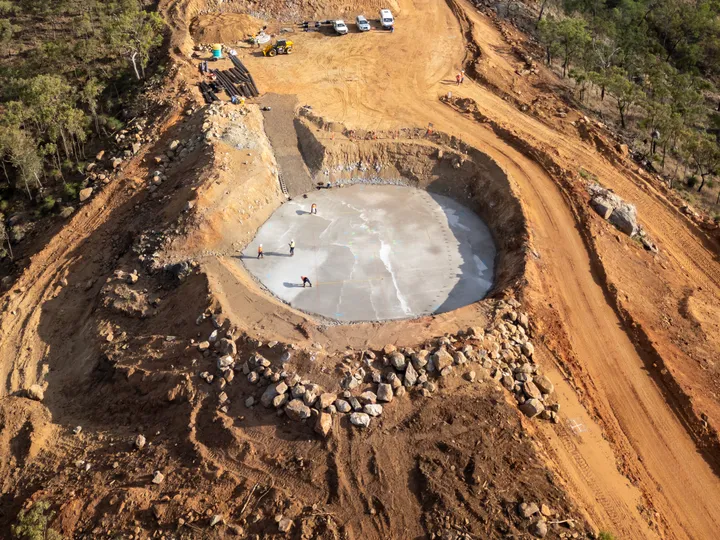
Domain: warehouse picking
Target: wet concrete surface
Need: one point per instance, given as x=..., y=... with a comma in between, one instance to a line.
x=374, y=253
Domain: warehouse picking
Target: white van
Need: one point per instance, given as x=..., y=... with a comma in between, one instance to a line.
x=386, y=19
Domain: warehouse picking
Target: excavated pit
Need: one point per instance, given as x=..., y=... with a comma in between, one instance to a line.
x=410, y=227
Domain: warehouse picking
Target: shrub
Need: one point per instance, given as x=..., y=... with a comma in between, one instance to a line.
x=33, y=524
x=691, y=181
x=604, y=535
x=71, y=189
x=48, y=204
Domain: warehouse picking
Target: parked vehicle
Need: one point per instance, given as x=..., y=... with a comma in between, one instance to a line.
x=386, y=19
x=340, y=27
x=362, y=23
x=281, y=46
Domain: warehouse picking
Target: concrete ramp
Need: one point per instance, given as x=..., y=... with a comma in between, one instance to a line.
x=280, y=128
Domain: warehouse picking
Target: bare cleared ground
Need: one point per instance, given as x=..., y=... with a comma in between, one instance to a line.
x=628, y=337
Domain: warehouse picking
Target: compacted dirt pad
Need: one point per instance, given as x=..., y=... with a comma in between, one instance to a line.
x=374, y=253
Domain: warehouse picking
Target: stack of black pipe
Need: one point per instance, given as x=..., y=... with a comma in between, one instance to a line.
x=207, y=93
x=242, y=76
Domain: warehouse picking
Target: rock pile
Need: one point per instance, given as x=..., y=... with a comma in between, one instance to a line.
x=620, y=213
x=371, y=381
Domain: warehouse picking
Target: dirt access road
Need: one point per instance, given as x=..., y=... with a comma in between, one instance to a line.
x=383, y=81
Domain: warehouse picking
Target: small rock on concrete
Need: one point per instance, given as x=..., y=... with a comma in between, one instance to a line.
x=360, y=419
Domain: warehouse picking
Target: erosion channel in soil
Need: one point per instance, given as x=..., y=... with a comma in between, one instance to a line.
x=412, y=225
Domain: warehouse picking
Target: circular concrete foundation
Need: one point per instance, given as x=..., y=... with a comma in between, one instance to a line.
x=374, y=253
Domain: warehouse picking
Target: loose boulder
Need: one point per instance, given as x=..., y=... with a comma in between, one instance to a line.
x=297, y=410
x=36, y=392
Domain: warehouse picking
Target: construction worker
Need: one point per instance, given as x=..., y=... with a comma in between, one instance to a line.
x=462, y=76
x=261, y=255
x=305, y=281
x=457, y=79
x=313, y=208
x=292, y=247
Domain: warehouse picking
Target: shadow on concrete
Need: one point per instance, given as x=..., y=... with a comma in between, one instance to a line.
x=289, y=285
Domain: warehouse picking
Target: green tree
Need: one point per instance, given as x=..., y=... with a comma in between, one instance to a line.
x=704, y=154
x=135, y=33
x=7, y=31
x=625, y=91
x=89, y=96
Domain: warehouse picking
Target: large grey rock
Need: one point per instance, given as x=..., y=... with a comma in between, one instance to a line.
x=442, y=359
x=411, y=376
x=226, y=346
x=325, y=400
x=531, y=390
x=602, y=207
x=225, y=362
x=297, y=410
x=532, y=407
x=269, y=394
x=420, y=359
x=398, y=361
x=373, y=409
x=368, y=397
x=544, y=384
x=342, y=406
x=625, y=219
x=385, y=392
x=360, y=419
